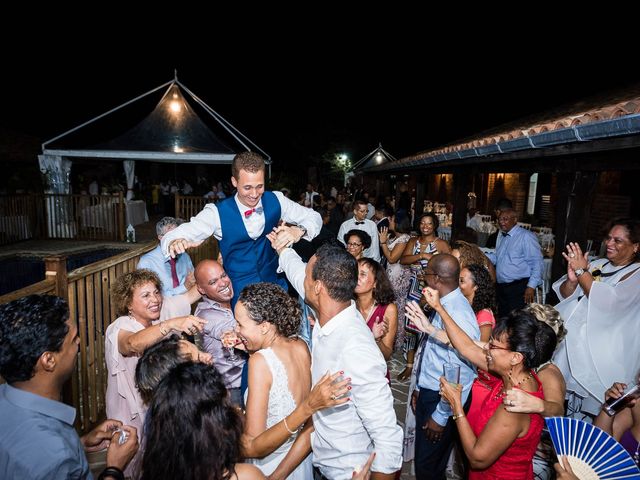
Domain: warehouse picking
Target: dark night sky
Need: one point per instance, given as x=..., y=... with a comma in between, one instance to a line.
x=295, y=107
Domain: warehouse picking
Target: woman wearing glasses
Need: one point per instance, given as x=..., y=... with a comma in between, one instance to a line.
x=357, y=241
x=600, y=303
x=498, y=443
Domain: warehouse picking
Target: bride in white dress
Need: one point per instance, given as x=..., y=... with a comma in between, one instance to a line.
x=279, y=376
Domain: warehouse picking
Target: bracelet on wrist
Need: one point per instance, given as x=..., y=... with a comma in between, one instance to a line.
x=114, y=472
x=456, y=417
x=408, y=365
x=292, y=432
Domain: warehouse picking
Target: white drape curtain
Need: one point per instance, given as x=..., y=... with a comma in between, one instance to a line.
x=57, y=171
x=130, y=172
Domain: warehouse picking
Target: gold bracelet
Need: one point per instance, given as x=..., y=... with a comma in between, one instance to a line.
x=284, y=420
x=456, y=417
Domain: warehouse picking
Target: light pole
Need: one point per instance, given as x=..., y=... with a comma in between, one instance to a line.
x=344, y=165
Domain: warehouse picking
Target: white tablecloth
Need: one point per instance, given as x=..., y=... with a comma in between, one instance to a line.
x=104, y=215
x=99, y=216
x=136, y=212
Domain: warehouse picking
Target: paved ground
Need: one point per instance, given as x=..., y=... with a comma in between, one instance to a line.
x=400, y=391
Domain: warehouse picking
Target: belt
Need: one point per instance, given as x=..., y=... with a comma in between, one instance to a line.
x=515, y=281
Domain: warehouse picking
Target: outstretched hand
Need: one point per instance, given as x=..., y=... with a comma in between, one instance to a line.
x=181, y=245
x=417, y=316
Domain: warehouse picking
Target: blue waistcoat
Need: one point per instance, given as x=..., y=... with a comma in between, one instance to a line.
x=249, y=261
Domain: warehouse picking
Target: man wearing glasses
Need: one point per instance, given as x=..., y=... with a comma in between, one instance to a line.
x=434, y=429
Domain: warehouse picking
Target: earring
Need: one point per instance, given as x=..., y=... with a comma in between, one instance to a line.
x=510, y=372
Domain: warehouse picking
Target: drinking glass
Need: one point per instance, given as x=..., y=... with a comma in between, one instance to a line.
x=229, y=340
x=451, y=373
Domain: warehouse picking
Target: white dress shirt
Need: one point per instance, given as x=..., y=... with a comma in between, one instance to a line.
x=368, y=226
x=345, y=435
x=207, y=222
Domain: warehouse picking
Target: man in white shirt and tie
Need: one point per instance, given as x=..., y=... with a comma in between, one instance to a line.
x=360, y=222
x=343, y=437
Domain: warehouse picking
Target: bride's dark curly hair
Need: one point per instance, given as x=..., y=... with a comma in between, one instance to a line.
x=268, y=302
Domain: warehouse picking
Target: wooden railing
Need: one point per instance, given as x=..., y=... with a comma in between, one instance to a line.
x=54, y=216
x=190, y=206
x=86, y=289
x=91, y=306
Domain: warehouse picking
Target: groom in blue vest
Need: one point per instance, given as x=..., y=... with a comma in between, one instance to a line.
x=241, y=224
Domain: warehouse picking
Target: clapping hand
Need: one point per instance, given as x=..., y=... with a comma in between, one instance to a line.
x=417, y=316
x=432, y=296
x=380, y=328
x=383, y=235
x=575, y=260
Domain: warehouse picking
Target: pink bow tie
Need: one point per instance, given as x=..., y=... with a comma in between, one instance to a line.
x=249, y=212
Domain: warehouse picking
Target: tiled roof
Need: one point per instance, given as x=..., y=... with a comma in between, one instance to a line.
x=605, y=107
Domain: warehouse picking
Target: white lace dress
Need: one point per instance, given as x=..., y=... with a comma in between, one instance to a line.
x=281, y=404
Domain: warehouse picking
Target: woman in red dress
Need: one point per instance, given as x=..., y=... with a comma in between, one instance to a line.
x=500, y=444
x=375, y=301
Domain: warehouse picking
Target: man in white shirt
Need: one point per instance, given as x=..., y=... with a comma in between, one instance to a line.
x=343, y=437
x=360, y=222
x=246, y=219
x=308, y=195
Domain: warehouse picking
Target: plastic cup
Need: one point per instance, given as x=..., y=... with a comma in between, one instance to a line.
x=451, y=372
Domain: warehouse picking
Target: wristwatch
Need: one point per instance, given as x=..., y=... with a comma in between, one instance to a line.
x=579, y=271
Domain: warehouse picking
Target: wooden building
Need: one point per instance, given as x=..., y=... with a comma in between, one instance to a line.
x=571, y=169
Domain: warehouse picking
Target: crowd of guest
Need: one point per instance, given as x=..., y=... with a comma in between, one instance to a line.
x=282, y=370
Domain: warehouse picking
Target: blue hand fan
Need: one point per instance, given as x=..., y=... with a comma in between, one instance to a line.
x=592, y=453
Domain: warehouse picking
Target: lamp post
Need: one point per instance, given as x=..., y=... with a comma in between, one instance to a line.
x=344, y=165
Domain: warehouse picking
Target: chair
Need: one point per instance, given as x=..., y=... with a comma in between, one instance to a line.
x=524, y=225
x=589, y=245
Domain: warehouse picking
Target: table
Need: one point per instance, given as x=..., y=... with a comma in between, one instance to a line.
x=136, y=212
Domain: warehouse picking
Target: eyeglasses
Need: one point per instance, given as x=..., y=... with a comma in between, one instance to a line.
x=491, y=346
x=354, y=244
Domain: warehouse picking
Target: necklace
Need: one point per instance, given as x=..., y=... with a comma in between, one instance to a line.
x=371, y=308
x=598, y=271
x=502, y=393
x=636, y=454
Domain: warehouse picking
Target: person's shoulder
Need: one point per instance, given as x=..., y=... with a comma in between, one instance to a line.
x=246, y=471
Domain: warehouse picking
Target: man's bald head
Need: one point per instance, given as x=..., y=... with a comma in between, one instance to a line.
x=213, y=282
x=447, y=268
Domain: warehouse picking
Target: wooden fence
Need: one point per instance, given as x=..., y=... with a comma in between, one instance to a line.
x=190, y=206
x=53, y=216
x=87, y=290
